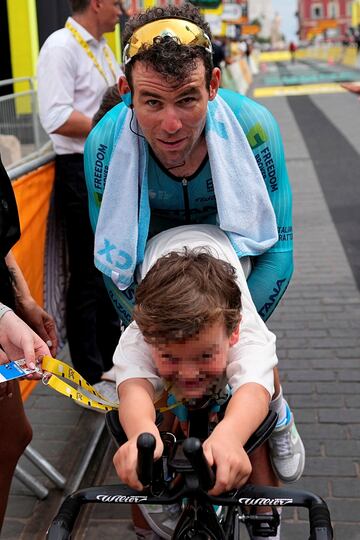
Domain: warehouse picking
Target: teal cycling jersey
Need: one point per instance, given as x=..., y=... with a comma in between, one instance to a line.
x=177, y=201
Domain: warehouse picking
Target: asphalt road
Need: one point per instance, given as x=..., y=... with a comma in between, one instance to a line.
x=329, y=124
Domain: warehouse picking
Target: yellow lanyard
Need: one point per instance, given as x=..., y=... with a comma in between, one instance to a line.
x=54, y=373
x=91, y=55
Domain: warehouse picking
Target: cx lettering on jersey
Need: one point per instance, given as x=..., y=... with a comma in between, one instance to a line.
x=123, y=260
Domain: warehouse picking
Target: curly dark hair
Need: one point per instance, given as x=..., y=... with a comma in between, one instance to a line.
x=197, y=290
x=169, y=58
x=111, y=97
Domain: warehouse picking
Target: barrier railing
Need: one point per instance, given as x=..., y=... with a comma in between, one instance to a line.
x=21, y=134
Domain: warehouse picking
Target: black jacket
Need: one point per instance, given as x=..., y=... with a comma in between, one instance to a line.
x=9, y=233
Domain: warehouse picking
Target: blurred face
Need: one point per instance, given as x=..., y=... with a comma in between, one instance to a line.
x=197, y=363
x=109, y=13
x=172, y=118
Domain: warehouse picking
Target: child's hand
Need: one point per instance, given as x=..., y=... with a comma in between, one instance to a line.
x=224, y=450
x=125, y=461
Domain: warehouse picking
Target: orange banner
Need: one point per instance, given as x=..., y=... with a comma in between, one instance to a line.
x=250, y=29
x=32, y=194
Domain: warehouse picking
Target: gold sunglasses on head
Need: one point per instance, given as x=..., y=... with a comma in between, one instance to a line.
x=183, y=31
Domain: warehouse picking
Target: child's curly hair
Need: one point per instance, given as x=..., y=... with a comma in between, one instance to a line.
x=184, y=292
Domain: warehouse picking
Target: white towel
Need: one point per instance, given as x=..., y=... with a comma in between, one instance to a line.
x=245, y=211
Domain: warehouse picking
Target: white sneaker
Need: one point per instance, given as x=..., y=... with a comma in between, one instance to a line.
x=109, y=375
x=287, y=452
x=108, y=390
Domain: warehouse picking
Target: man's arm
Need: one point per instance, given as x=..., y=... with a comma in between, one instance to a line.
x=270, y=276
x=57, y=68
x=77, y=125
x=272, y=270
x=137, y=415
x=26, y=307
x=246, y=410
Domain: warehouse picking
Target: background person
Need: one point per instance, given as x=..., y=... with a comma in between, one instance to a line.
x=292, y=50
x=75, y=67
x=16, y=340
x=192, y=166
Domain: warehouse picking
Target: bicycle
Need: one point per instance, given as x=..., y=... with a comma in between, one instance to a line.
x=183, y=476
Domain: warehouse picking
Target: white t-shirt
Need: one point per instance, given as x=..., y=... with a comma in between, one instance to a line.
x=251, y=360
x=69, y=80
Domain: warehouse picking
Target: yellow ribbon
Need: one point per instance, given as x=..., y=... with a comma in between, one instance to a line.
x=53, y=369
x=91, y=55
x=54, y=374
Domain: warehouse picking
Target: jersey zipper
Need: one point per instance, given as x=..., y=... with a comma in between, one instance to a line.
x=186, y=200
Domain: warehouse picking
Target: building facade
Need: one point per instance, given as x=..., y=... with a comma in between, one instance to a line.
x=261, y=10
x=24, y=26
x=329, y=19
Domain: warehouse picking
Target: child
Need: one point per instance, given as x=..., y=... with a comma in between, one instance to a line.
x=189, y=333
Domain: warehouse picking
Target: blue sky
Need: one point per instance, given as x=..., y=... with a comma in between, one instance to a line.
x=287, y=9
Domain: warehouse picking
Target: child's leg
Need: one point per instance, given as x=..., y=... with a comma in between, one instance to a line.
x=262, y=471
x=263, y=474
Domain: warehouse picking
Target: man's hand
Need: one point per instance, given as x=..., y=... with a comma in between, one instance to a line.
x=224, y=450
x=26, y=307
x=40, y=321
x=19, y=341
x=125, y=461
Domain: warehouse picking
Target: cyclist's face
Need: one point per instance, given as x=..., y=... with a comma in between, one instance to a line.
x=172, y=117
x=197, y=363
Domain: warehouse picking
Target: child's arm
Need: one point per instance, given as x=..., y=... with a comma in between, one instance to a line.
x=246, y=410
x=137, y=415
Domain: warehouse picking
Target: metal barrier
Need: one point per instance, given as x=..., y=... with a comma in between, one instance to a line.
x=21, y=134
x=325, y=52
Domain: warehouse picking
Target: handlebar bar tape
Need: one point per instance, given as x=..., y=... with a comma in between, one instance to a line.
x=63, y=523
x=320, y=523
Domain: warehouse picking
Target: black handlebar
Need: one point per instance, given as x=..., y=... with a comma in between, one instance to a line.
x=320, y=522
x=194, y=452
x=146, y=447
x=63, y=523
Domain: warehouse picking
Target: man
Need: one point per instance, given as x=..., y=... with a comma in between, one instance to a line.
x=193, y=154
x=75, y=68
